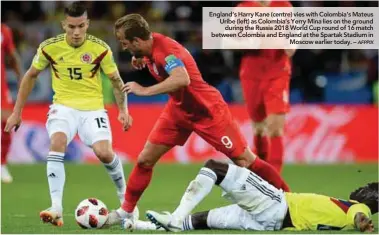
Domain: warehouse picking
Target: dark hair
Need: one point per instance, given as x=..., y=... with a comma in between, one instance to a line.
x=368, y=195
x=75, y=9
x=134, y=26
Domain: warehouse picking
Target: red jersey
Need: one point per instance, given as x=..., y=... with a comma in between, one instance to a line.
x=266, y=61
x=196, y=99
x=7, y=47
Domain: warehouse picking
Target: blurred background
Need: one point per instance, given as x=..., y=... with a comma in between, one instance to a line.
x=345, y=80
x=319, y=76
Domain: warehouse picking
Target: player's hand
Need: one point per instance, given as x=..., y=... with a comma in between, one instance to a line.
x=138, y=63
x=14, y=121
x=126, y=120
x=363, y=223
x=135, y=88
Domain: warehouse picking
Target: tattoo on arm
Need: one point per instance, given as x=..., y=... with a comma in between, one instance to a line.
x=117, y=86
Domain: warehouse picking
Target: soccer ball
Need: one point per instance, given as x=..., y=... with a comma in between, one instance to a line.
x=91, y=213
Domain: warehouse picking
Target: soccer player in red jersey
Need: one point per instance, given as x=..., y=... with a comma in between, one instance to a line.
x=7, y=49
x=265, y=77
x=194, y=106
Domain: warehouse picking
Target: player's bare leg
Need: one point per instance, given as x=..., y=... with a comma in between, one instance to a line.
x=138, y=181
x=251, y=161
x=6, y=177
x=261, y=140
x=275, y=129
x=103, y=150
x=56, y=177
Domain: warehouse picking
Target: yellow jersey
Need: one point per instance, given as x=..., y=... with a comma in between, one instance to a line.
x=317, y=212
x=75, y=71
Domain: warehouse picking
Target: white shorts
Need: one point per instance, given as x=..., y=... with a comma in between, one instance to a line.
x=257, y=205
x=92, y=126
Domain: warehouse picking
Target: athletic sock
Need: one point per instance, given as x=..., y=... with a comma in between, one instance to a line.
x=138, y=181
x=116, y=172
x=56, y=177
x=262, y=146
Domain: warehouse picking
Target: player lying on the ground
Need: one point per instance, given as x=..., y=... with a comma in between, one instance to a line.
x=194, y=106
x=257, y=205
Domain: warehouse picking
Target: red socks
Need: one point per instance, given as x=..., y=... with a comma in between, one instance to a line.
x=5, y=144
x=262, y=146
x=268, y=173
x=138, y=181
x=277, y=153
x=271, y=150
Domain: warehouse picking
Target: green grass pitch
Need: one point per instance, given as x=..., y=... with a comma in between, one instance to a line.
x=22, y=200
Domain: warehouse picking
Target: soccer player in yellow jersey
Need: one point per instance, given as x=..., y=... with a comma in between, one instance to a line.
x=257, y=205
x=75, y=60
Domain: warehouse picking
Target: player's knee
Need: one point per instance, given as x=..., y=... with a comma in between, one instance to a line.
x=275, y=124
x=220, y=168
x=103, y=151
x=58, y=142
x=105, y=155
x=259, y=128
x=144, y=160
x=275, y=127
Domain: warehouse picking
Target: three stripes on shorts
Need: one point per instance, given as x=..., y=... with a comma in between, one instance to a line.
x=256, y=182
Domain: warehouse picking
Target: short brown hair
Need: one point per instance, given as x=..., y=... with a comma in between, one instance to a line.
x=134, y=26
x=75, y=9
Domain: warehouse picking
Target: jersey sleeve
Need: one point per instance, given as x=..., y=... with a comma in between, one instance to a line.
x=8, y=37
x=170, y=58
x=108, y=64
x=354, y=209
x=40, y=61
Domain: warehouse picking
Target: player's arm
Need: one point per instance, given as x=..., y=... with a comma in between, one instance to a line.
x=110, y=69
x=178, y=78
x=117, y=84
x=26, y=86
x=27, y=83
x=121, y=100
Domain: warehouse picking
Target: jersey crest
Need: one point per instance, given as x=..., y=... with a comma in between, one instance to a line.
x=86, y=58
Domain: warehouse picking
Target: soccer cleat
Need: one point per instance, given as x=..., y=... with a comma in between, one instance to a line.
x=6, y=177
x=165, y=220
x=51, y=216
x=115, y=218
x=142, y=225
